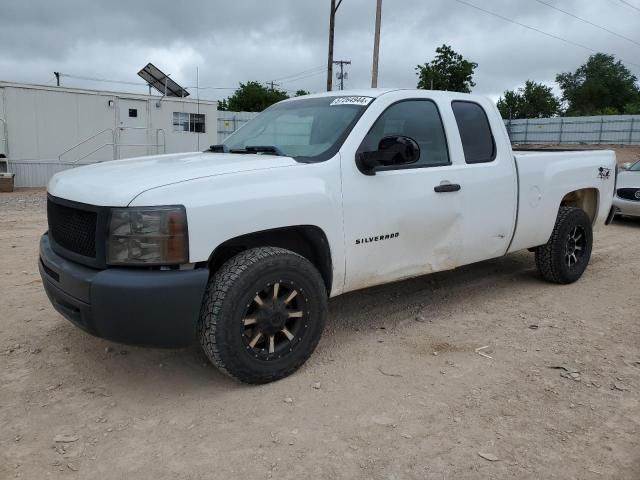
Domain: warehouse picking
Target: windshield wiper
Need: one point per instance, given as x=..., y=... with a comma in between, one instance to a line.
x=217, y=149
x=259, y=149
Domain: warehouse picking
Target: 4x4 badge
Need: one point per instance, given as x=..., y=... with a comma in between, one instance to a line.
x=604, y=173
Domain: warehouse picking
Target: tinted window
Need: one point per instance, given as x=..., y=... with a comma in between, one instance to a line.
x=418, y=119
x=475, y=132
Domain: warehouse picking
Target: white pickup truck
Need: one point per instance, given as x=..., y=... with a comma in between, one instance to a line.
x=241, y=246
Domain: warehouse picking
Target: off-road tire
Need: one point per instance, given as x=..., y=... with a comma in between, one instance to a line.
x=551, y=258
x=230, y=292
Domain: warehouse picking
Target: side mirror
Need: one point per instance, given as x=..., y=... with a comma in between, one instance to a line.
x=392, y=150
x=626, y=166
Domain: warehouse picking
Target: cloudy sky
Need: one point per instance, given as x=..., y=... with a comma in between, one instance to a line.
x=286, y=40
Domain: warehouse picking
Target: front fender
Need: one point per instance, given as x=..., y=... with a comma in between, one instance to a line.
x=228, y=206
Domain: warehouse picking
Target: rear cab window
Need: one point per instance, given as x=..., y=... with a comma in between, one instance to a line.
x=475, y=132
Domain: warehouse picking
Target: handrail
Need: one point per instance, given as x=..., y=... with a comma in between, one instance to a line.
x=157, y=144
x=91, y=153
x=116, y=144
x=85, y=141
x=164, y=139
x=5, y=133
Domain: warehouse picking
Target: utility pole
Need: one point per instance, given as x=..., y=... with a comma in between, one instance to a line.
x=376, y=46
x=57, y=74
x=332, y=26
x=272, y=85
x=341, y=75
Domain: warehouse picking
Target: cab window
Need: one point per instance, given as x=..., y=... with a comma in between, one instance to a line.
x=417, y=119
x=477, y=140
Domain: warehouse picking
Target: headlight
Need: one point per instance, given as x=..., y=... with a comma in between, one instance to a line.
x=148, y=236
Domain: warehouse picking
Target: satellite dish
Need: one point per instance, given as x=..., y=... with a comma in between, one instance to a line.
x=161, y=82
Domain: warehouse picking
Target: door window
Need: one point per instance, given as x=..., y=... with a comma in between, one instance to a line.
x=417, y=119
x=477, y=140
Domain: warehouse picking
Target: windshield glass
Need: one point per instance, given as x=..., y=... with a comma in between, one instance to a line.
x=310, y=129
x=635, y=167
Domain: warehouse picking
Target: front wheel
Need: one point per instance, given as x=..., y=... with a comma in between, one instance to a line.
x=263, y=314
x=564, y=258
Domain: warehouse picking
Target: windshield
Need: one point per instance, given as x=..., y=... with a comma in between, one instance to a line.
x=310, y=129
x=635, y=167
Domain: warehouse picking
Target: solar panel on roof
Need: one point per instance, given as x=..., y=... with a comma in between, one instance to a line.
x=161, y=82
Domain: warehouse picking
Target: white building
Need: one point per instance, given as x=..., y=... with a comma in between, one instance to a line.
x=46, y=129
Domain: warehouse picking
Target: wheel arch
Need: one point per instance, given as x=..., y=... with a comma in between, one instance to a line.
x=587, y=199
x=309, y=241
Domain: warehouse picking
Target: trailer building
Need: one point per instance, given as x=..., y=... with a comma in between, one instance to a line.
x=47, y=129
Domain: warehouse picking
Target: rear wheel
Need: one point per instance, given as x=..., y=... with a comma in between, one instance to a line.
x=263, y=314
x=564, y=258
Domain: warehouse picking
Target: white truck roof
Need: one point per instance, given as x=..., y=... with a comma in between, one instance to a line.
x=377, y=92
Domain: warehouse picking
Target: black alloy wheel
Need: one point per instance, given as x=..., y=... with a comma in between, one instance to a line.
x=275, y=320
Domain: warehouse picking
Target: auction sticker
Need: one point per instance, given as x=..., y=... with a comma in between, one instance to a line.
x=363, y=101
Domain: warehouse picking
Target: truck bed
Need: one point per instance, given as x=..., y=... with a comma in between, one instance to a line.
x=544, y=178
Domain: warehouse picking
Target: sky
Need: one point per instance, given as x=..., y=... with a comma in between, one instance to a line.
x=285, y=41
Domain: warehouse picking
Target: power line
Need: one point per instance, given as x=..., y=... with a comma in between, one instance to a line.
x=571, y=42
x=588, y=22
x=125, y=82
x=300, y=73
x=214, y=88
x=630, y=5
x=306, y=76
x=309, y=73
x=102, y=80
x=141, y=84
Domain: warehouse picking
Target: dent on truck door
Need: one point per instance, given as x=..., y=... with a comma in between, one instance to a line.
x=489, y=194
x=398, y=222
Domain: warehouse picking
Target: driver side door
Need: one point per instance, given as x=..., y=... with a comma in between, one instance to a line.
x=401, y=222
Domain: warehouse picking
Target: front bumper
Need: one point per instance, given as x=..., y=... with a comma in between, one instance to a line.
x=141, y=307
x=626, y=207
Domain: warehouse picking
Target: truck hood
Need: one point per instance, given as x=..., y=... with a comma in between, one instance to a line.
x=116, y=183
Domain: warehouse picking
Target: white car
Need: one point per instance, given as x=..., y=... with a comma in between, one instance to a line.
x=627, y=199
x=241, y=246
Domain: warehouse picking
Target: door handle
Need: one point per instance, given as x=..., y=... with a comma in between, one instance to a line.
x=447, y=187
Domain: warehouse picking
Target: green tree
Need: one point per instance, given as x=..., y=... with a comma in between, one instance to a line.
x=600, y=86
x=252, y=97
x=632, y=108
x=447, y=71
x=300, y=93
x=534, y=100
x=510, y=104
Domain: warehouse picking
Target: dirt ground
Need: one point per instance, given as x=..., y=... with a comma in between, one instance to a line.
x=395, y=390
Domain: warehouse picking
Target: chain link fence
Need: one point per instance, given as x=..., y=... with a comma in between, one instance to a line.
x=608, y=130
x=601, y=130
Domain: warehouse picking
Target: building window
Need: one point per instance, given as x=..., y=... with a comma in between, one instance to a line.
x=133, y=113
x=188, y=122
